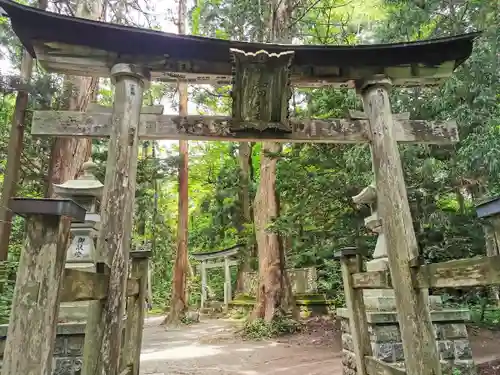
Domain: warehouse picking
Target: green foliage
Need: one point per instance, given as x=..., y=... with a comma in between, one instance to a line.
x=259, y=329
x=315, y=182
x=7, y=281
x=486, y=316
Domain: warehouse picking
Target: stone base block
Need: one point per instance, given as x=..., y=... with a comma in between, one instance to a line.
x=73, y=311
x=385, y=337
x=380, y=264
x=384, y=300
x=68, y=348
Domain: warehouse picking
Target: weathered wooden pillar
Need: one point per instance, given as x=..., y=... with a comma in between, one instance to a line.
x=227, y=281
x=35, y=306
x=203, y=283
x=103, y=343
x=135, y=312
x=419, y=345
x=351, y=262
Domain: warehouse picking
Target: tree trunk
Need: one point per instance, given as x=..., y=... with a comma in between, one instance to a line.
x=271, y=270
x=245, y=159
x=180, y=297
x=68, y=154
x=274, y=291
x=14, y=152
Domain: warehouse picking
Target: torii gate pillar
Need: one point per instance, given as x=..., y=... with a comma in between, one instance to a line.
x=105, y=324
x=402, y=247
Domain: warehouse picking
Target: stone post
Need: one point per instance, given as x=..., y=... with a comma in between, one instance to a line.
x=85, y=190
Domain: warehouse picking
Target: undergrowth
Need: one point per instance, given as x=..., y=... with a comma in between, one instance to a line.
x=7, y=282
x=488, y=317
x=258, y=329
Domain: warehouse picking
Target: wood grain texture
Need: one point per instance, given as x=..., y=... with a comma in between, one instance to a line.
x=35, y=305
x=375, y=366
x=356, y=306
x=117, y=215
x=99, y=125
x=460, y=273
x=414, y=318
x=135, y=318
x=261, y=88
x=452, y=274
x=93, y=332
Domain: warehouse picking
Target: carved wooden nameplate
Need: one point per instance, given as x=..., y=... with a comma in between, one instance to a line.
x=261, y=91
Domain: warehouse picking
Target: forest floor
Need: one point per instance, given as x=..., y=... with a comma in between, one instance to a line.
x=210, y=347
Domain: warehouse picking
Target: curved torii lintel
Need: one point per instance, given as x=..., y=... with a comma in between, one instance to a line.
x=231, y=251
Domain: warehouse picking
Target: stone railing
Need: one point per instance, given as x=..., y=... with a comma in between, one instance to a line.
x=68, y=348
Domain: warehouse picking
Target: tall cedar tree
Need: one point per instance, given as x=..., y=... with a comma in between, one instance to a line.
x=180, y=298
x=274, y=291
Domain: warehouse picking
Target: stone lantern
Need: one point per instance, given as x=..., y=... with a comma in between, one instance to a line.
x=85, y=190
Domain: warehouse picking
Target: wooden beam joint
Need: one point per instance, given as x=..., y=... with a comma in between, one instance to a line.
x=452, y=274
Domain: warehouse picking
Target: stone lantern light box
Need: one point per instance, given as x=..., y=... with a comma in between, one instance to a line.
x=85, y=190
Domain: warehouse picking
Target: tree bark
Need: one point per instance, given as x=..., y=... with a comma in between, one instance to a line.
x=270, y=292
x=180, y=298
x=14, y=152
x=245, y=160
x=274, y=295
x=68, y=154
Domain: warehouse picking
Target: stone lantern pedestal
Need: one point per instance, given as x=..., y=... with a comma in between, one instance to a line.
x=85, y=190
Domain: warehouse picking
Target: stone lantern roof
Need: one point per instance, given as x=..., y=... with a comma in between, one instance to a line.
x=85, y=185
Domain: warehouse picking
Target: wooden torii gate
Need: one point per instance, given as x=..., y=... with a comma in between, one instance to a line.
x=262, y=76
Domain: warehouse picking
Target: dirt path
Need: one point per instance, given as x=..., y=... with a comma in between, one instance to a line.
x=210, y=348
x=207, y=349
